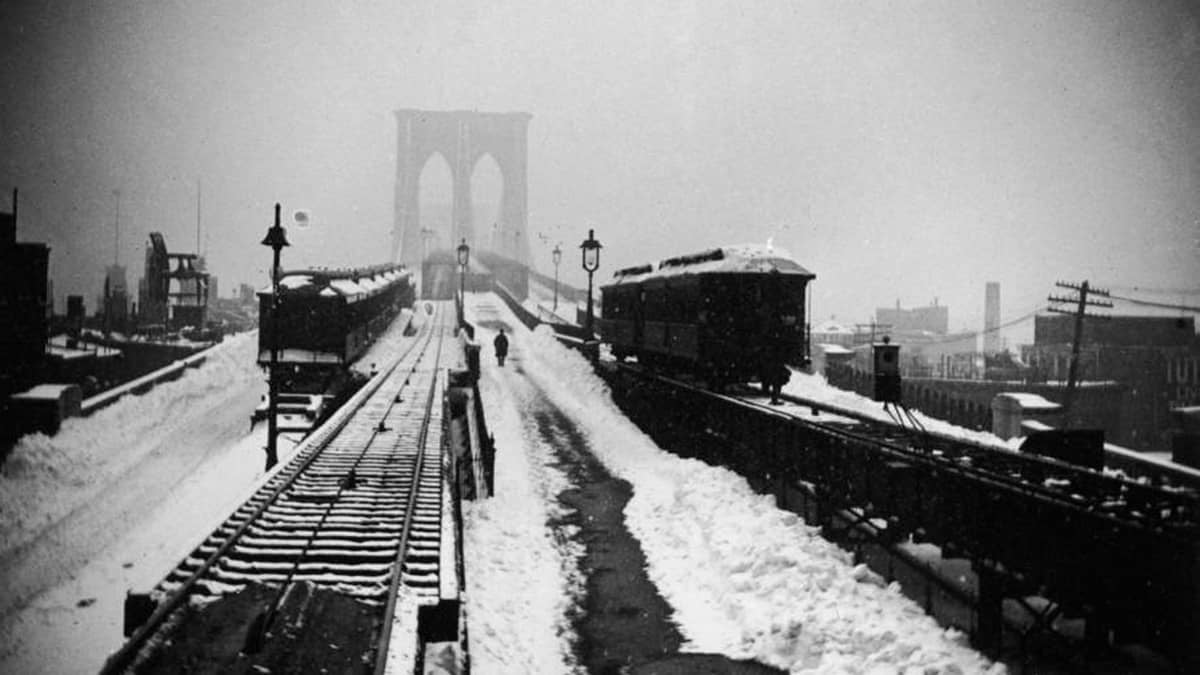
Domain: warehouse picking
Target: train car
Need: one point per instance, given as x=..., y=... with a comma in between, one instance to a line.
x=727, y=315
x=328, y=318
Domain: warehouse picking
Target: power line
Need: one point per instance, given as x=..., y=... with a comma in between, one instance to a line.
x=1158, y=289
x=1164, y=305
x=959, y=337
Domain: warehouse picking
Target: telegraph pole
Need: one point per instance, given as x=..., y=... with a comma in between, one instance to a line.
x=1081, y=302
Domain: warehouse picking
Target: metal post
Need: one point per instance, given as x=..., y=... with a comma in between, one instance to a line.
x=556, y=255
x=589, y=305
x=989, y=626
x=464, y=256
x=272, y=374
x=1073, y=369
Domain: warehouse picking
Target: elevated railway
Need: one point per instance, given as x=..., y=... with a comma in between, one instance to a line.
x=345, y=557
x=1124, y=555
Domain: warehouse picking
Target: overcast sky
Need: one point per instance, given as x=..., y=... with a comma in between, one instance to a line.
x=901, y=150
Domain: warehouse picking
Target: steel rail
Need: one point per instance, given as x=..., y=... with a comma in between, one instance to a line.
x=1044, y=493
x=332, y=503
x=126, y=655
x=385, y=632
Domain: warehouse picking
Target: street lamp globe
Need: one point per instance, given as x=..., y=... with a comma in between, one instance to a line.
x=591, y=253
x=556, y=256
x=464, y=253
x=591, y=262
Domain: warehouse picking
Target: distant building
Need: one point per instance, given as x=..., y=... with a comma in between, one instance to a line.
x=23, y=302
x=933, y=319
x=832, y=333
x=1143, y=331
x=991, y=318
x=115, y=299
x=246, y=294
x=1156, y=358
x=926, y=354
x=75, y=313
x=175, y=289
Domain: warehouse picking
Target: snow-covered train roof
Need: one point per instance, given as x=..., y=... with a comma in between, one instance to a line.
x=350, y=283
x=741, y=258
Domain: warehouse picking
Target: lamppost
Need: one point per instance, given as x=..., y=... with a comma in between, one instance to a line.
x=556, y=254
x=464, y=255
x=276, y=239
x=591, y=262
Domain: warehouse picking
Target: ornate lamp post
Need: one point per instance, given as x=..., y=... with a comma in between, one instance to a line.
x=464, y=256
x=556, y=255
x=276, y=239
x=591, y=262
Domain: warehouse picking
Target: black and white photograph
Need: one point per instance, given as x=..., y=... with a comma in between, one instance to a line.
x=628, y=338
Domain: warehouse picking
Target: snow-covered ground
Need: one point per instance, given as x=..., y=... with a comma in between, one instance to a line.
x=115, y=500
x=816, y=388
x=745, y=578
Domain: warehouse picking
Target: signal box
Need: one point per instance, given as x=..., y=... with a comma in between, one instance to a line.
x=887, y=372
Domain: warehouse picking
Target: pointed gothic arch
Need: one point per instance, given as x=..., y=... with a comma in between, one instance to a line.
x=463, y=138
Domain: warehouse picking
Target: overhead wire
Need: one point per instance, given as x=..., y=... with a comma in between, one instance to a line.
x=1151, y=303
x=959, y=337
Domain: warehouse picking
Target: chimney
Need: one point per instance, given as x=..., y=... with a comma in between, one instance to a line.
x=991, y=318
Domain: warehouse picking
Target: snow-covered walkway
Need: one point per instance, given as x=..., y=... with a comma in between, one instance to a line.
x=745, y=579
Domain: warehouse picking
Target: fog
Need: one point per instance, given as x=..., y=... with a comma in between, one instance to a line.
x=901, y=151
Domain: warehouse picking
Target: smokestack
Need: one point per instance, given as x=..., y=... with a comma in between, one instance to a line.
x=991, y=318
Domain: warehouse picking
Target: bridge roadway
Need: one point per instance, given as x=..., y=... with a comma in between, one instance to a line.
x=341, y=557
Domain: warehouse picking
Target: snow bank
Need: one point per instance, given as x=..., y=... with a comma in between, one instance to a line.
x=817, y=388
x=745, y=578
x=45, y=478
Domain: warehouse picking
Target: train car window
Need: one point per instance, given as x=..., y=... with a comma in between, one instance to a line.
x=626, y=301
x=690, y=299
x=672, y=311
x=608, y=302
x=654, y=301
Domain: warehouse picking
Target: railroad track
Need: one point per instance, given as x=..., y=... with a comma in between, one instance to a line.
x=307, y=573
x=1123, y=554
x=1157, y=505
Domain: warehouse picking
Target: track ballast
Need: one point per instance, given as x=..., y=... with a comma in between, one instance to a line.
x=311, y=572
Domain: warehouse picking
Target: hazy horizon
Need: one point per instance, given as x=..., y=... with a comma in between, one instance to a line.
x=900, y=151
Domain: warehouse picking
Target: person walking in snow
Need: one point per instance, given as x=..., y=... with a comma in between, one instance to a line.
x=501, y=346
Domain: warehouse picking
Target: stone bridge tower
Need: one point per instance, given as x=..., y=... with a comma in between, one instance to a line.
x=463, y=138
